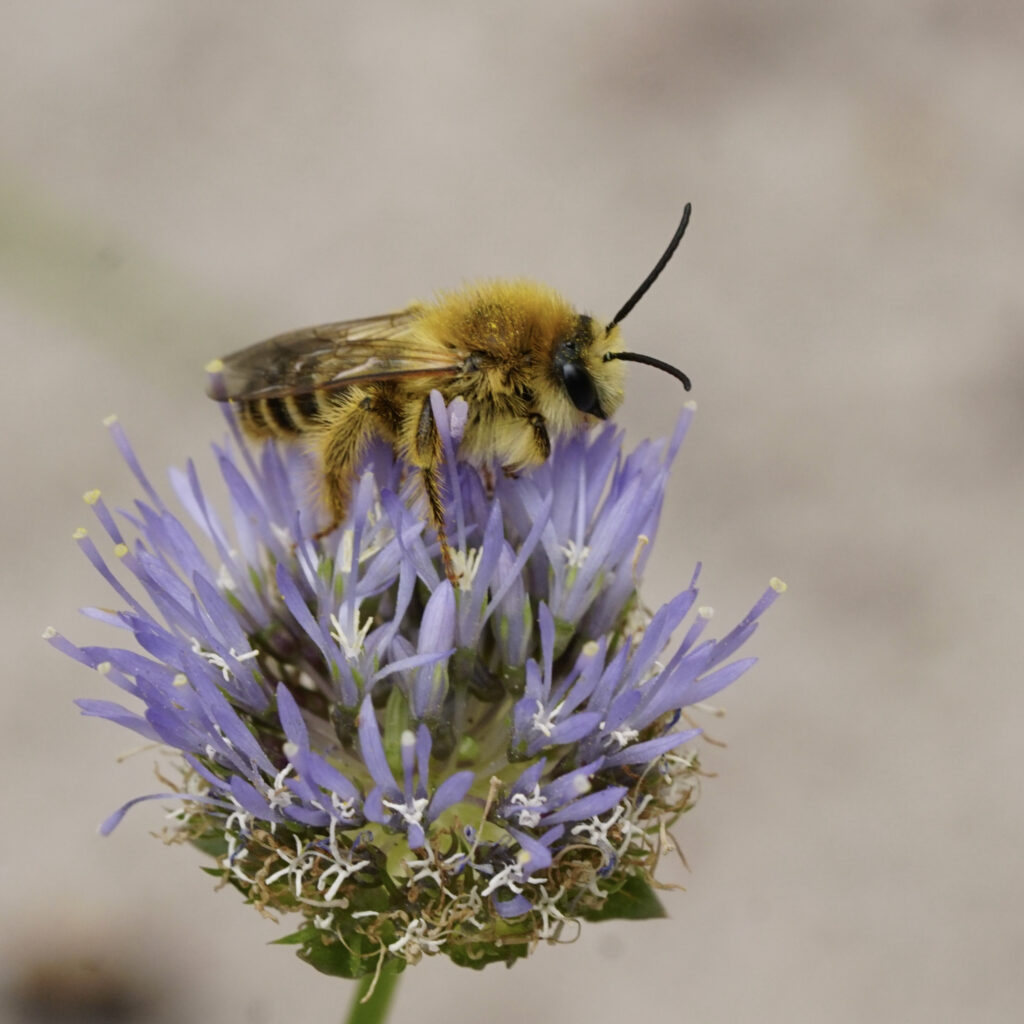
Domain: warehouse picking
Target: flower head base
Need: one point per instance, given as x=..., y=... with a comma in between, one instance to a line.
x=415, y=767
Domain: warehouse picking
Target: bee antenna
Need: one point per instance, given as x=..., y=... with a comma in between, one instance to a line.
x=635, y=357
x=653, y=276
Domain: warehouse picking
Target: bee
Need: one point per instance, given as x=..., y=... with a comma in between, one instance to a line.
x=529, y=366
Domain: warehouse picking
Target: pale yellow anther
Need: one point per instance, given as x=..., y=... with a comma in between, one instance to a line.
x=91, y=497
x=705, y=611
x=215, y=366
x=49, y=633
x=110, y=420
x=80, y=533
x=690, y=404
x=104, y=668
x=180, y=680
x=777, y=585
x=120, y=550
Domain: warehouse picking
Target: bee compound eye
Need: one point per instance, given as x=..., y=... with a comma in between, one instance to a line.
x=580, y=387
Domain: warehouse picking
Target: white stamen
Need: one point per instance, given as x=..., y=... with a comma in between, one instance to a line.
x=552, y=918
x=575, y=555
x=512, y=876
x=544, y=721
x=624, y=736
x=531, y=804
x=416, y=937
x=280, y=795
x=351, y=645
x=341, y=871
x=465, y=565
x=410, y=814
x=425, y=868
x=220, y=663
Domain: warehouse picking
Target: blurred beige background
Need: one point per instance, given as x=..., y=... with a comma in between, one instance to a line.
x=178, y=180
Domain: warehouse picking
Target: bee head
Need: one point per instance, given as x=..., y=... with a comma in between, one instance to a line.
x=577, y=365
x=636, y=357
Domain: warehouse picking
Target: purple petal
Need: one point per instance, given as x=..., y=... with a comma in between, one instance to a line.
x=651, y=750
x=292, y=722
x=450, y=792
x=372, y=748
x=589, y=806
x=514, y=907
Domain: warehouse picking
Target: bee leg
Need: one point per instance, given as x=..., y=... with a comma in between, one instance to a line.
x=427, y=454
x=352, y=425
x=540, y=444
x=541, y=440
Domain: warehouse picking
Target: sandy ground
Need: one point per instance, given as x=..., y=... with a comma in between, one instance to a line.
x=178, y=180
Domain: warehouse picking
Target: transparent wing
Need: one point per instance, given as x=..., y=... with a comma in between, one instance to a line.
x=332, y=356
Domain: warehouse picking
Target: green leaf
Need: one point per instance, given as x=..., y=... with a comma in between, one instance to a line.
x=212, y=844
x=480, y=955
x=338, y=959
x=335, y=960
x=305, y=934
x=635, y=901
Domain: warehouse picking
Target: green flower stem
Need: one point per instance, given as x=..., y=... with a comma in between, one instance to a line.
x=375, y=1009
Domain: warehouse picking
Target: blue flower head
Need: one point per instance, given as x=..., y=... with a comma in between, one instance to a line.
x=411, y=766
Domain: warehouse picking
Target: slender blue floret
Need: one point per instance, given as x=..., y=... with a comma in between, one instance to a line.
x=412, y=765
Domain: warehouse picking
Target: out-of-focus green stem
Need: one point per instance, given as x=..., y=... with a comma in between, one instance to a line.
x=373, y=1008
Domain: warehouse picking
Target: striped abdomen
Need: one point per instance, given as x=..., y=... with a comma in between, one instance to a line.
x=285, y=416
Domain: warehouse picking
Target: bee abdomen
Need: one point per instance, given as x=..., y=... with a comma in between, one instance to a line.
x=284, y=416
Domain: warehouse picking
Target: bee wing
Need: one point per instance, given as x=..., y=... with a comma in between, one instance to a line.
x=332, y=356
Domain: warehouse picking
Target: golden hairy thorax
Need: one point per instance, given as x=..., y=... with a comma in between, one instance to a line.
x=509, y=333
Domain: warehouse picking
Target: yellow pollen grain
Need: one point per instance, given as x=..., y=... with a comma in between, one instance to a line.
x=120, y=550
x=777, y=585
x=80, y=533
x=110, y=420
x=49, y=633
x=91, y=497
x=180, y=680
x=104, y=668
x=214, y=366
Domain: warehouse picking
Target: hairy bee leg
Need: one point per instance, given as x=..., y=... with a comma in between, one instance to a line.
x=541, y=440
x=487, y=473
x=540, y=443
x=352, y=425
x=427, y=453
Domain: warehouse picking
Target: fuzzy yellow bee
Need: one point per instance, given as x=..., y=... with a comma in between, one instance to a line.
x=529, y=366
